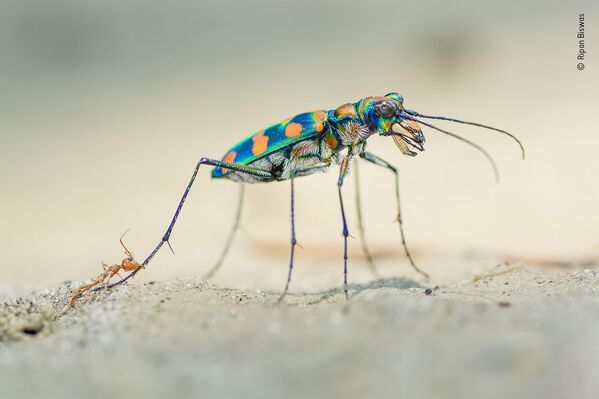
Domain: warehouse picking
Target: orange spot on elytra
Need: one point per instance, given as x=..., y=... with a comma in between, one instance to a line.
x=319, y=118
x=260, y=143
x=293, y=129
x=229, y=158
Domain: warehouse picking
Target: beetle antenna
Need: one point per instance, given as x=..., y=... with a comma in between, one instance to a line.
x=444, y=118
x=478, y=147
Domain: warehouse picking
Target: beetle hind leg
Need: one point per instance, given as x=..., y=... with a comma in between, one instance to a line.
x=229, y=242
x=204, y=161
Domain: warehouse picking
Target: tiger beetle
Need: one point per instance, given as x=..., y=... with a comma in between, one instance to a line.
x=315, y=142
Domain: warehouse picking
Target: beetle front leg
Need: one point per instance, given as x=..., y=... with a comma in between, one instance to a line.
x=381, y=162
x=363, y=242
x=342, y=173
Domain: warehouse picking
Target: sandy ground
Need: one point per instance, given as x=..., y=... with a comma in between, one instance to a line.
x=514, y=332
x=107, y=108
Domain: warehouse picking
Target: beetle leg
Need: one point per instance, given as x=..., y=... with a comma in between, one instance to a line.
x=342, y=173
x=295, y=173
x=229, y=241
x=293, y=241
x=381, y=162
x=204, y=161
x=363, y=241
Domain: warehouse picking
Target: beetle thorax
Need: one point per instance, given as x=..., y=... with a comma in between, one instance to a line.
x=352, y=133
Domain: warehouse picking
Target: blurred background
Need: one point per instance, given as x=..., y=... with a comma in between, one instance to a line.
x=105, y=108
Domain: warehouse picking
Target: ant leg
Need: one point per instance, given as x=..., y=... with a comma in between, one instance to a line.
x=381, y=162
x=229, y=241
x=75, y=295
x=363, y=241
x=293, y=242
x=204, y=161
x=79, y=291
x=110, y=275
x=342, y=173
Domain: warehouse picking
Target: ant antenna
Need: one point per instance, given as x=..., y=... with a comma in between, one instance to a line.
x=127, y=252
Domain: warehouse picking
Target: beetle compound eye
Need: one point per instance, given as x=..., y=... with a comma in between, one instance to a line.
x=384, y=109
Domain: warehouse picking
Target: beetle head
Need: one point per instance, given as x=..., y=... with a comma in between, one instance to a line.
x=387, y=117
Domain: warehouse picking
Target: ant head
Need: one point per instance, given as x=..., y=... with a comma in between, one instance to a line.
x=130, y=264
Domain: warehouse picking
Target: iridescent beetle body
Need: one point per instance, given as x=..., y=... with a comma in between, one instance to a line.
x=310, y=142
x=314, y=142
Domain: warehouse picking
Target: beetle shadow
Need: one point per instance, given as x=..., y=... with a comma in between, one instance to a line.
x=400, y=283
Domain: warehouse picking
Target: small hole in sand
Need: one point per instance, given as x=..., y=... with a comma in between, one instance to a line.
x=32, y=330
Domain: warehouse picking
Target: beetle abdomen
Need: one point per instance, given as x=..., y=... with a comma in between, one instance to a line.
x=275, y=138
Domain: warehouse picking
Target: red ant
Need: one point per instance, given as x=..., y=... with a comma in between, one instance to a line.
x=128, y=264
